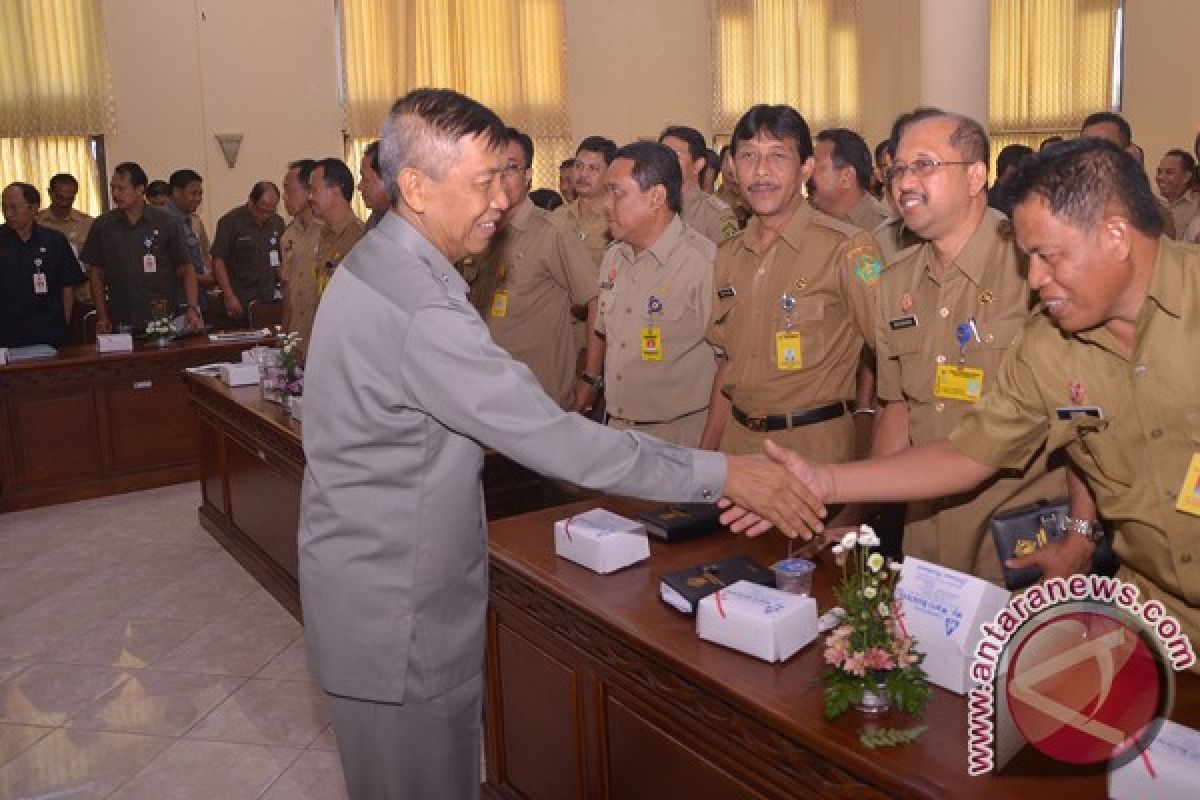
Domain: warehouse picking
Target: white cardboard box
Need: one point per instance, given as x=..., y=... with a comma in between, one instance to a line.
x=3, y=356
x=942, y=610
x=1175, y=757
x=114, y=342
x=600, y=540
x=757, y=620
x=239, y=374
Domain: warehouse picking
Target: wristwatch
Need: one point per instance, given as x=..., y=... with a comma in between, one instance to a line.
x=594, y=381
x=1089, y=529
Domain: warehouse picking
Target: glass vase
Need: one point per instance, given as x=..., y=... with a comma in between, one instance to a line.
x=875, y=698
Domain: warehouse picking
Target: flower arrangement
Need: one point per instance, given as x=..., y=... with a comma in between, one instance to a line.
x=160, y=325
x=871, y=658
x=290, y=378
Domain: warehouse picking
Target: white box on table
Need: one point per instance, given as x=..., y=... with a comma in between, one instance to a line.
x=239, y=374
x=600, y=540
x=114, y=342
x=757, y=620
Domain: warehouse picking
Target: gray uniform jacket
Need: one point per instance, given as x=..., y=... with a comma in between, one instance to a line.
x=404, y=388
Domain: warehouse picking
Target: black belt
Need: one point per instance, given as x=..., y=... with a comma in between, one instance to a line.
x=797, y=419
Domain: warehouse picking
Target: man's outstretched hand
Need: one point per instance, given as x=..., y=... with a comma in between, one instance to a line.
x=783, y=492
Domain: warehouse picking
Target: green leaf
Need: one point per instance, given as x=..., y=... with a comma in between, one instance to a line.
x=890, y=737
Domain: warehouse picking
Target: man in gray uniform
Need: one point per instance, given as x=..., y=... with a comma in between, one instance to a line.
x=404, y=388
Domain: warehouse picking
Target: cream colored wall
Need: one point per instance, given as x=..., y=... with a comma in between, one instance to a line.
x=186, y=69
x=1161, y=92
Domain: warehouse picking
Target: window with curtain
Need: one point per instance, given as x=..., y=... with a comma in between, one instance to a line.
x=804, y=53
x=55, y=94
x=1053, y=62
x=507, y=54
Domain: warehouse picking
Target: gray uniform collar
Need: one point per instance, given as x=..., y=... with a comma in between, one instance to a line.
x=402, y=233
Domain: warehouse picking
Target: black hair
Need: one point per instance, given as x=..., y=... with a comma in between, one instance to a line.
x=63, y=177
x=1049, y=140
x=337, y=175
x=884, y=146
x=849, y=150
x=655, y=164
x=133, y=171
x=1082, y=178
x=304, y=167
x=567, y=163
x=779, y=122
x=525, y=141
x=180, y=178
x=261, y=188
x=29, y=192
x=693, y=138
x=1186, y=158
x=371, y=151
x=158, y=189
x=598, y=144
x=1124, y=132
x=1010, y=156
x=547, y=199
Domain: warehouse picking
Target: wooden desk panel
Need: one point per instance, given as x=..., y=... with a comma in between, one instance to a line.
x=82, y=424
x=647, y=706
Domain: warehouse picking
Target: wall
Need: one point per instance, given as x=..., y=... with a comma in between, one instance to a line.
x=1161, y=93
x=184, y=70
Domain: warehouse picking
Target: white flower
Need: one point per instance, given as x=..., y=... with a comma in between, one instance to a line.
x=895, y=566
x=875, y=562
x=884, y=611
x=838, y=549
x=849, y=540
x=868, y=539
x=870, y=592
x=866, y=530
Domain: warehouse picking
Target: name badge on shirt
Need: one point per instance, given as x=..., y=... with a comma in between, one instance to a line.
x=39, y=283
x=726, y=292
x=1068, y=413
x=958, y=383
x=500, y=303
x=900, y=323
x=651, y=343
x=274, y=258
x=1189, y=493
x=788, y=354
x=149, y=263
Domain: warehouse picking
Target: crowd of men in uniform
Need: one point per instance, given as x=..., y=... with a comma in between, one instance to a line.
x=835, y=302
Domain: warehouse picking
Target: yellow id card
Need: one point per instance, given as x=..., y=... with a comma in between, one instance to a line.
x=958, y=383
x=1189, y=493
x=651, y=343
x=500, y=303
x=788, y=354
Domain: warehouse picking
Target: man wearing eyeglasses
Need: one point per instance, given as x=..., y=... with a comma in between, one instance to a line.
x=794, y=304
x=535, y=270
x=948, y=311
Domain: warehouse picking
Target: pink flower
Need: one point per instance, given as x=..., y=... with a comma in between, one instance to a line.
x=856, y=664
x=878, y=658
x=835, y=656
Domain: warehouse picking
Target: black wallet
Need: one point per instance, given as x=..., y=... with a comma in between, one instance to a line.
x=1027, y=529
x=676, y=522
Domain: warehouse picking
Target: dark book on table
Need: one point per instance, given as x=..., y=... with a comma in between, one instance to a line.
x=676, y=522
x=685, y=588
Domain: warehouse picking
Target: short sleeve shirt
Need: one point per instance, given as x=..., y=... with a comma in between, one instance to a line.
x=708, y=214
x=664, y=291
x=31, y=308
x=75, y=227
x=334, y=244
x=140, y=262
x=298, y=274
x=251, y=253
x=591, y=228
x=817, y=280
x=1135, y=459
x=530, y=277
x=866, y=213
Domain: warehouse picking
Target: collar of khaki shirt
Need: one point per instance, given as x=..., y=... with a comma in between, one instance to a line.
x=1189, y=196
x=1165, y=290
x=523, y=215
x=663, y=245
x=338, y=230
x=793, y=230
x=973, y=259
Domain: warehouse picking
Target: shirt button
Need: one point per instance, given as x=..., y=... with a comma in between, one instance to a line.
x=1186, y=558
x=943, y=312
x=629, y=311
x=1156, y=433
x=618, y=377
x=940, y=407
x=940, y=359
x=762, y=270
x=622, y=345
x=1139, y=370
x=1169, y=493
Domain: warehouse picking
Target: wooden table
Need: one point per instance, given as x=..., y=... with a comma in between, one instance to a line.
x=252, y=464
x=597, y=689
x=83, y=424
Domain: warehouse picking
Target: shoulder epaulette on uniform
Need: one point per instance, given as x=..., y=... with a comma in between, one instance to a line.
x=847, y=229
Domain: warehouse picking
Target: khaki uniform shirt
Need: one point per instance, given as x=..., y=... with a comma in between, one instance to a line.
x=333, y=245
x=709, y=215
x=866, y=213
x=1136, y=458
x=915, y=335
x=894, y=238
x=666, y=289
x=732, y=196
x=1169, y=229
x=592, y=229
x=75, y=227
x=1183, y=210
x=251, y=254
x=829, y=269
x=531, y=276
x=299, y=275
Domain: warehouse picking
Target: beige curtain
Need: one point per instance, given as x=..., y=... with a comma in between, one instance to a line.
x=55, y=92
x=1051, y=66
x=804, y=53
x=508, y=54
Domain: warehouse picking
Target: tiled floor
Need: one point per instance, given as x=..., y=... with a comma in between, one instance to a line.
x=138, y=660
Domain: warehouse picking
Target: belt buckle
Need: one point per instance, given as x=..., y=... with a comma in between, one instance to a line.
x=756, y=424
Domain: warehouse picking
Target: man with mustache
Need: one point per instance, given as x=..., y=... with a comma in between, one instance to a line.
x=1105, y=368
x=794, y=304
x=949, y=310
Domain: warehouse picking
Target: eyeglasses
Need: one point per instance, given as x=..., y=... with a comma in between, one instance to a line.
x=511, y=168
x=921, y=167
